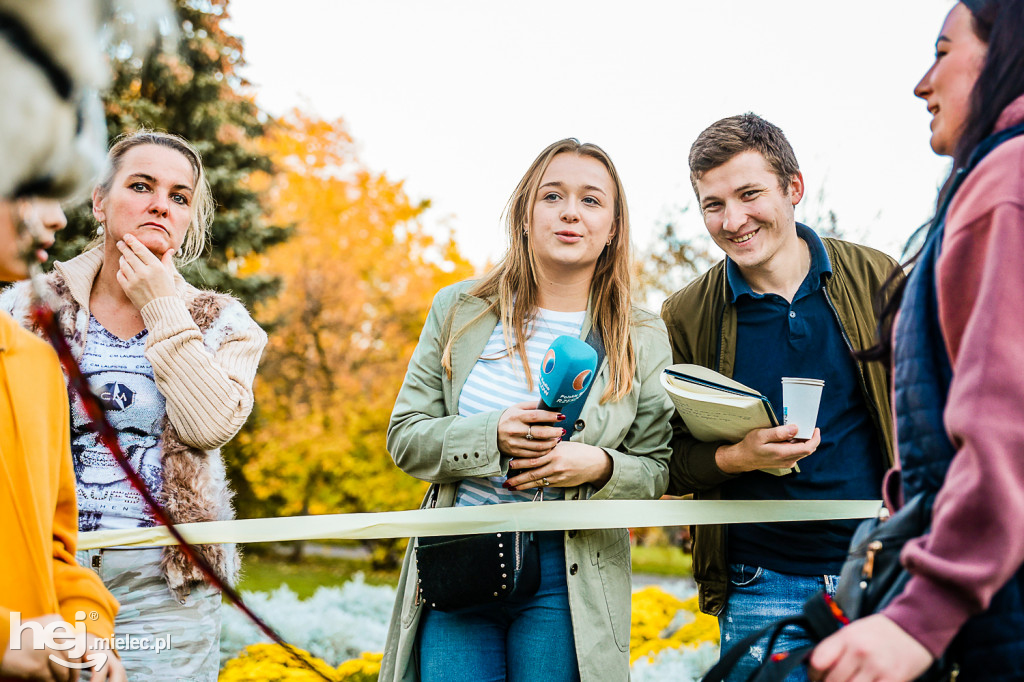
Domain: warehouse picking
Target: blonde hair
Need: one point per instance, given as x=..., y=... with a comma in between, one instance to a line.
x=511, y=287
x=202, y=205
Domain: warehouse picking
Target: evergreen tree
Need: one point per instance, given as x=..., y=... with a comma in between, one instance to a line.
x=197, y=92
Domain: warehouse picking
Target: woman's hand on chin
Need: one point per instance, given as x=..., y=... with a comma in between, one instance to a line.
x=142, y=275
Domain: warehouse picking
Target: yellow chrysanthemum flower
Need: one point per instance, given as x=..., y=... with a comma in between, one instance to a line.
x=654, y=610
x=272, y=663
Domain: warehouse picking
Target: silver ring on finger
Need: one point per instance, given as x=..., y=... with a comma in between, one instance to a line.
x=529, y=432
x=545, y=482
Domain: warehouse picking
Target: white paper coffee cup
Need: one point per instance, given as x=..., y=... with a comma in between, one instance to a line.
x=800, y=400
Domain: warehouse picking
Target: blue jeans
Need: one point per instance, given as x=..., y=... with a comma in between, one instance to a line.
x=524, y=640
x=759, y=597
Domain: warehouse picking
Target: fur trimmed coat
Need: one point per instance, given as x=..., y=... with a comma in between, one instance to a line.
x=197, y=338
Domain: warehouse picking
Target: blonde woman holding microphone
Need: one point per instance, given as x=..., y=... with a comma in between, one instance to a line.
x=466, y=421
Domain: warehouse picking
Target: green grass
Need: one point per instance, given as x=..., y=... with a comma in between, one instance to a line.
x=264, y=573
x=661, y=560
x=267, y=573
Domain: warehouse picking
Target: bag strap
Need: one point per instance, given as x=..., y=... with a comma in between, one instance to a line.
x=573, y=411
x=720, y=671
x=595, y=342
x=820, y=618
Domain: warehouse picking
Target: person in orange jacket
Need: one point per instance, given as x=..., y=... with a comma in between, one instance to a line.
x=40, y=581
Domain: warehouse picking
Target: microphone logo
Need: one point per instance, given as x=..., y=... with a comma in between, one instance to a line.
x=549, y=361
x=581, y=380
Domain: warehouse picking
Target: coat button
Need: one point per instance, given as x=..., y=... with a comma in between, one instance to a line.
x=580, y=424
x=574, y=569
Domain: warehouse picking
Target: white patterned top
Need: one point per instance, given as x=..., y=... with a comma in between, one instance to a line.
x=120, y=374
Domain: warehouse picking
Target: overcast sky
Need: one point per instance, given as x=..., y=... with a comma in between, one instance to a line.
x=456, y=98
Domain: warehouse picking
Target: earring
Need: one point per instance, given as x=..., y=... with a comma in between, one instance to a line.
x=609, y=242
x=101, y=228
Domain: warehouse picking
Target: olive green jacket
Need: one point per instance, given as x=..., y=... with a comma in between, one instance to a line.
x=428, y=440
x=701, y=326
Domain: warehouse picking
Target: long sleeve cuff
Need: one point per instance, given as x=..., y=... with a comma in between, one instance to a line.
x=695, y=468
x=632, y=478
x=102, y=625
x=930, y=613
x=705, y=463
x=166, y=316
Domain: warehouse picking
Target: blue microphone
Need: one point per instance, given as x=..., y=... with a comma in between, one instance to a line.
x=566, y=372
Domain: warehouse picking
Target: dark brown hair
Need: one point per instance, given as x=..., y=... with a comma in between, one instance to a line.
x=724, y=139
x=999, y=24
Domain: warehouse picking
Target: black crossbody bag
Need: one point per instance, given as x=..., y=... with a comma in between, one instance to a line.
x=458, y=571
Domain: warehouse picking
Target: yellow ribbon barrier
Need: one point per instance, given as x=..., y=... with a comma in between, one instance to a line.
x=551, y=515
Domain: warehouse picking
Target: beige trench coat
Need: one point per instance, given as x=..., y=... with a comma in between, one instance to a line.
x=428, y=440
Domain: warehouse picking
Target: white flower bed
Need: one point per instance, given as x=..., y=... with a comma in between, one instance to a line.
x=335, y=624
x=338, y=623
x=676, y=665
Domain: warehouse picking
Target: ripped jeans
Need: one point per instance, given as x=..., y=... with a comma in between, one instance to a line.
x=759, y=597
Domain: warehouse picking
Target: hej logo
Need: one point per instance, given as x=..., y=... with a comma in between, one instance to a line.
x=58, y=635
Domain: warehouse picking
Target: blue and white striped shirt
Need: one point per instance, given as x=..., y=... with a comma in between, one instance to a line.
x=497, y=382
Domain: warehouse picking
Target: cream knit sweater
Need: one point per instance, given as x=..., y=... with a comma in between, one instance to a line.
x=204, y=348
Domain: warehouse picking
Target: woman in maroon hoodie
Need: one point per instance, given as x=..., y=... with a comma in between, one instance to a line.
x=960, y=332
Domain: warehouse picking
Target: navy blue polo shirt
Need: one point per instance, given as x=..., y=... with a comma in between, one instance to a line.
x=778, y=339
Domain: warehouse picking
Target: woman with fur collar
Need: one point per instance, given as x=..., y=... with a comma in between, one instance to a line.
x=174, y=366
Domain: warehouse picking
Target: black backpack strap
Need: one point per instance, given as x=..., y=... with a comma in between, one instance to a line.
x=823, y=616
x=820, y=618
x=777, y=667
x=573, y=411
x=595, y=342
x=720, y=671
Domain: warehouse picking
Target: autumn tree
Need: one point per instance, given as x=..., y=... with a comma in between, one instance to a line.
x=357, y=278
x=815, y=211
x=677, y=255
x=196, y=91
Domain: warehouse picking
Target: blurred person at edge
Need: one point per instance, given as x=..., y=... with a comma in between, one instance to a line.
x=472, y=386
x=958, y=382
x=40, y=581
x=174, y=366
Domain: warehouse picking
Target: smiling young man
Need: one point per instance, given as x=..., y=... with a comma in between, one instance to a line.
x=784, y=302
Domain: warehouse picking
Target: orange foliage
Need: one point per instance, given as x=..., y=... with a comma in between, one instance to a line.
x=358, y=276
